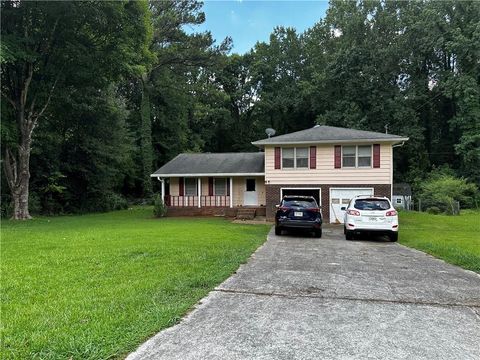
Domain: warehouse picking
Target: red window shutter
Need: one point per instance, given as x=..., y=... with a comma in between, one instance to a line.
x=210, y=186
x=228, y=186
x=376, y=155
x=277, y=158
x=313, y=157
x=181, y=186
x=338, y=156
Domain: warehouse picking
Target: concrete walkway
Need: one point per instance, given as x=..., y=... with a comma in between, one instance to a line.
x=308, y=298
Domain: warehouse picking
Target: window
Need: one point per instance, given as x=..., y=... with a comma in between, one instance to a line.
x=399, y=200
x=357, y=156
x=364, y=156
x=301, y=157
x=190, y=187
x=348, y=156
x=372, y=204
x=220, y=186
x=288, y=158
x=295, y=158
x=250, y=184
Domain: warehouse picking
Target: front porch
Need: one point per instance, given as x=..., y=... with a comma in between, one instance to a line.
x=212, y=192
x=197, y=201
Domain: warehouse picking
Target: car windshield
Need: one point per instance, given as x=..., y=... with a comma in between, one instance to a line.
x=304, y=203
x=372, y=204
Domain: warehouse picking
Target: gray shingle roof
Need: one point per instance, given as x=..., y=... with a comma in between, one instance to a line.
x=213, y=163
x=326, y=134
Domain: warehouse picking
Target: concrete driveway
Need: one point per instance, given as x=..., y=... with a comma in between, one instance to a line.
x=307, y=298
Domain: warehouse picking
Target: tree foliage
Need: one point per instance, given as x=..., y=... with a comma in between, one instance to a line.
x=116, y=89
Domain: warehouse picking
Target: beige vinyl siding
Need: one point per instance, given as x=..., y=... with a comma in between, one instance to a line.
x=238, y=188
x=325, y=173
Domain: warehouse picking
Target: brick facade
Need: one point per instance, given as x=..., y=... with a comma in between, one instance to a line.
x=208, y=211
x=272, y=193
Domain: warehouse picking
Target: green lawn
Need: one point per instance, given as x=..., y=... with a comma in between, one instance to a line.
x=96, y=286
x=455, y=239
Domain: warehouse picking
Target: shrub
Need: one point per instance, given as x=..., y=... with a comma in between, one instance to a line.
x=34, y=204
x=444, y=191
x=6, y=207
x=118, y=202
x=105, y=202
x=434, y=210
x=159, y=208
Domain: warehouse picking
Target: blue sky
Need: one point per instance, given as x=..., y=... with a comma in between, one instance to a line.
x=250, y=21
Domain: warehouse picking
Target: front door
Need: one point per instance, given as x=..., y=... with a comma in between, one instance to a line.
x=250, y=196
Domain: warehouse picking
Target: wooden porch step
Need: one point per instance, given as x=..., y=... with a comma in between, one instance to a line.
x=246, y=214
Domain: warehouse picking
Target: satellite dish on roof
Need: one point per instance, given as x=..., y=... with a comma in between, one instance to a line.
x=270, y=132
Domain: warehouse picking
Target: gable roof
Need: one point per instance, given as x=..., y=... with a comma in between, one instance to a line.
x=213, y=164
x=329, y=134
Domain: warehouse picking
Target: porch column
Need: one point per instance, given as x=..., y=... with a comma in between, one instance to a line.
x=231, y=192
x=163, y=189
x=199, y=192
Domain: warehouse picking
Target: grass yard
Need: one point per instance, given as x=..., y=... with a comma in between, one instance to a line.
x=96, y=286
x=455, y=239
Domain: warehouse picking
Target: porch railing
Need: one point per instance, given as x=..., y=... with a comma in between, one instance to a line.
x=205, y=201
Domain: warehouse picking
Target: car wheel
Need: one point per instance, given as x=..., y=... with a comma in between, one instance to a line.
x=393, y=237
x=344, y=230
x=278, y=230
x=318, y=233
x=349, y=235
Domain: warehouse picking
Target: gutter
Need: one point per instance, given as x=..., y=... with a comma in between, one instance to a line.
x=207, y=174
x=332, y=142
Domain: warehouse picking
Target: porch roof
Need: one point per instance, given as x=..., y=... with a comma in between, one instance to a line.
x=213, y=164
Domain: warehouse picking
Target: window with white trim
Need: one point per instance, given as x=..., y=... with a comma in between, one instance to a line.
x=190, y=187
x=349, y=154
x=295, y=158
x=288, y=158
x=220, y=186
x=357, y=156
x=364, y=158
x=301, y=158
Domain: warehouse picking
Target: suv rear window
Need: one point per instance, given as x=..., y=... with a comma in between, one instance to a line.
x=305, y=203
x=371, y=204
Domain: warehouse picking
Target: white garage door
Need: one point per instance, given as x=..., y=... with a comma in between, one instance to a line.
x=340, y=197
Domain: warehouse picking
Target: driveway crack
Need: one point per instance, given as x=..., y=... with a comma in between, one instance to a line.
x=473, y=307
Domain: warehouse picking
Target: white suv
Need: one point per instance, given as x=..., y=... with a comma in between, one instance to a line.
x=367, y=213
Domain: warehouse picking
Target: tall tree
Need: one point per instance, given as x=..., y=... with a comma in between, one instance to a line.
x=176, y=51
x=44, y=39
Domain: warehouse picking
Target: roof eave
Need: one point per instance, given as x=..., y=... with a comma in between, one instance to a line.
x=262, y=144
x=155, y=175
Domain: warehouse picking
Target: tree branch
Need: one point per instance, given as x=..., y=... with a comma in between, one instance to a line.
x=33, y=121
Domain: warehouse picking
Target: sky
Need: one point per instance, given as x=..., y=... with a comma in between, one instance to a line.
x=247, y=22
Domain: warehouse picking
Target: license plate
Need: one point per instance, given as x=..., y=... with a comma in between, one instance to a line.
x=372, y=219
x=298, y=214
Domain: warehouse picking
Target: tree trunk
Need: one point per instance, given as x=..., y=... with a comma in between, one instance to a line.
x=18, y=176
x=17, y=166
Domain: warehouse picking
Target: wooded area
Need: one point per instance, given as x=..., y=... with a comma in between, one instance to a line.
x=95, y=95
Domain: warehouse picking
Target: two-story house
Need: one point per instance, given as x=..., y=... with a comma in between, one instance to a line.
x=330, y=163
